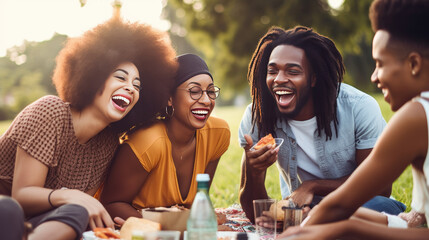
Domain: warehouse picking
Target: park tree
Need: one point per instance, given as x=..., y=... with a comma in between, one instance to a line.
x=26, y=74
x=227, y=32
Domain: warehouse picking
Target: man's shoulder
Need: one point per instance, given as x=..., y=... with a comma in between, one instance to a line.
x=351, y=95
x=348, y=91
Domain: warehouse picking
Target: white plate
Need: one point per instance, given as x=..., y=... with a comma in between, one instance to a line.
x=279, y=142
x=89, y=235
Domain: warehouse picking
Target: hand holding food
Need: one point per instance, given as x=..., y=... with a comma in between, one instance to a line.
x=267, y=140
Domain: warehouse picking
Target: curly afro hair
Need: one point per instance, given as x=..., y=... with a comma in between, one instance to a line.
x=85, y=63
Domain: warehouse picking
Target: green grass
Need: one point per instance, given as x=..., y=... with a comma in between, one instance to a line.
x=4, y=125
x=225, y=187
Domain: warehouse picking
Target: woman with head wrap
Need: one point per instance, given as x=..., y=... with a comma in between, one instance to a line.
x=157, y=165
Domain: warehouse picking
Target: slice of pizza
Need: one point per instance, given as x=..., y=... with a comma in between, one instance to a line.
x=267, y=140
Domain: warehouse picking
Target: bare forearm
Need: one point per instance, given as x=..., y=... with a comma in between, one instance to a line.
x=33, y=200
x=252, y=187
x=122, y=210
x=323, y=187
x=360, y=229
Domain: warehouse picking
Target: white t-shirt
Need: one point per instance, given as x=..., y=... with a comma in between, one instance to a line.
x=308, y=168
x=420, y=202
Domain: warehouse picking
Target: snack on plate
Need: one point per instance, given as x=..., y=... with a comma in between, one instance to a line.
x=106, y=233
x=221, y=218
x=224, y=228
x=267, y=140
x=140, y=224
x=280, y=213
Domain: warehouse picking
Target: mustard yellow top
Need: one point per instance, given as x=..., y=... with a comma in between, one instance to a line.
x=153, y=149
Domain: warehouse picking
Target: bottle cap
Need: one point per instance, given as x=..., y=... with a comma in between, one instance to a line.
x=203, y=177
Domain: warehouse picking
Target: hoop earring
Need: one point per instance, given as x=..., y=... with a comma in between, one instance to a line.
x=169, y=111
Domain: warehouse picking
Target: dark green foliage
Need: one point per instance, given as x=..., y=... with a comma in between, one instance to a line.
x=26, y=74
x=227, y=32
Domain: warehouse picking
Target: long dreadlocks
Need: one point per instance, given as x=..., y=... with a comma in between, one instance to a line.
x=326, y=66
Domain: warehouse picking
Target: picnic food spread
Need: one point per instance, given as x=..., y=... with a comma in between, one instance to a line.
x=106, y=233
x=267, y=140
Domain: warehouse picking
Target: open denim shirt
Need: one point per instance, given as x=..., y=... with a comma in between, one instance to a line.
x=360, y=123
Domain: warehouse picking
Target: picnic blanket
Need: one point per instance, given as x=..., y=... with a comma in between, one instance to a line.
x=237, y=220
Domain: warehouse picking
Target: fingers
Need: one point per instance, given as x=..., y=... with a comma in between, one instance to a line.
x=98, y=222
x=119, y=221
x=92, y=224
x=101, y=221
x=263, y=158
x=108, y=222
x=98, y=216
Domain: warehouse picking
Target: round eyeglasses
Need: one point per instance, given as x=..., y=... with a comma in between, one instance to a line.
x=196, y=92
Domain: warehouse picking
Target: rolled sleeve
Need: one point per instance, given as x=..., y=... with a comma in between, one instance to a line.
x=245, y=126
x=369, y=122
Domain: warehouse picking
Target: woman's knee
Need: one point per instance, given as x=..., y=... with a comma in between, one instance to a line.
x=10, y=209
x=75, y=216
x=72, y=215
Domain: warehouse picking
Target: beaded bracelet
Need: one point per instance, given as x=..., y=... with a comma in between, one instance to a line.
x=49, y=198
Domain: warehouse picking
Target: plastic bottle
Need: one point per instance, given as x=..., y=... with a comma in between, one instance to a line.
x=202, y=221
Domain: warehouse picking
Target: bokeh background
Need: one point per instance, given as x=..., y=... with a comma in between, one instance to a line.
x=224, y=32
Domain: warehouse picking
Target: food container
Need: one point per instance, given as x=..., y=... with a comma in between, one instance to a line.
x=169, y=218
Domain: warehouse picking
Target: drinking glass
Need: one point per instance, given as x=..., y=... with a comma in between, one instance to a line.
x=265, y=218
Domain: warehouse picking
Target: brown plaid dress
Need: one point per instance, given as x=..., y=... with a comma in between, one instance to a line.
x=45, y=131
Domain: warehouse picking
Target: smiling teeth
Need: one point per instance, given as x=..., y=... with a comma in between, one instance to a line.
x=283, y=92
x=200, y=112
x=122, y=98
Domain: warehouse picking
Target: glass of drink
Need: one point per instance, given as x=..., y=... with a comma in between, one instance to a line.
x=265, y=218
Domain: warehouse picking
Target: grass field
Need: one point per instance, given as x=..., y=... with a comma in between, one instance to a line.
x=224, y=190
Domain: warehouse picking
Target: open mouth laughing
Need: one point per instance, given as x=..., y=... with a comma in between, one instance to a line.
x=284, y=96
x=200, y=114
x=121, y=102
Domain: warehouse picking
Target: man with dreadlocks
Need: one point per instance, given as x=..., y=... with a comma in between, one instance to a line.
x=328, y=127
